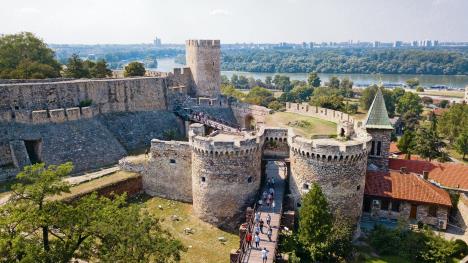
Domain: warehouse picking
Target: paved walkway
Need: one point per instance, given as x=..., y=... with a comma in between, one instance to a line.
x=278, y=171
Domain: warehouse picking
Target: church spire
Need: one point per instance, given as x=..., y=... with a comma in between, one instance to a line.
x=377, y=117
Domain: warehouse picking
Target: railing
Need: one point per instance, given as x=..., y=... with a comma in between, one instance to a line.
x=189, y=114
x=244, y=245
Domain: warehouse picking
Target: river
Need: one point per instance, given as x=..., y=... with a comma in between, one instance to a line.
x=451, y=81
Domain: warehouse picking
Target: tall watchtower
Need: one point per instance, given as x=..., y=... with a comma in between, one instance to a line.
x=203, y=57
x=378, y=125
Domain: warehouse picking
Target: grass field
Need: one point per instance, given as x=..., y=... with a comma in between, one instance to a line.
x=203, y=245
x=302, y=125
x=453, y=153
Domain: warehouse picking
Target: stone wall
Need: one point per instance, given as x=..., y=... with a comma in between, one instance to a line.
x=246, y=113
x=226, y=177
x=204, y=59
x=134, y=130
x=338, y=167
x=108, y=95
x=318, y=112
x=169, y=171
x=275, y=143
x=383, y=137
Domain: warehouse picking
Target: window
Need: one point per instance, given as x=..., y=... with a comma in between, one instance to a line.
x=358, y=187
x=249, y=180
x=203, y=179
x=372, y=148
x=384, y=205
x=396, y=206
x=298, y=204
x=433, y=211
x=305, y=186
x=172, y=161
x=379, y=147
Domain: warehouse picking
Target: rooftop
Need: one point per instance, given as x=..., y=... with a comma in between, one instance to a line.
x=451, y=175
x=405, y=186
x=377, y=117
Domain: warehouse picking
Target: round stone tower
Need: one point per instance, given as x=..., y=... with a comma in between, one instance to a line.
x=338, y=167
x=204, y=59
x=226, y=175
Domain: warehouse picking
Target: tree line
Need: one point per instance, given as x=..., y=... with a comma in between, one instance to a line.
x=349, y=60
x=24, y=56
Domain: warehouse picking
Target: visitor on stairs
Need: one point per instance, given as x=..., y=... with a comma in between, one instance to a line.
x=264, y=255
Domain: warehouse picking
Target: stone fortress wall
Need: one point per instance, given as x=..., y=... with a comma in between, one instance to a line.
x=204, y=59
x=226, y=175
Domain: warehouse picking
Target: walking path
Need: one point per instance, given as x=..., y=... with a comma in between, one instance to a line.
x=278, y=171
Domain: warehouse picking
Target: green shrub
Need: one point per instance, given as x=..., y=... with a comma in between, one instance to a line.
x=86, y=102
x=460, y=249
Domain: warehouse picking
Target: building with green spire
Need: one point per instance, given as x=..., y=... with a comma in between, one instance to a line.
x=378, y=125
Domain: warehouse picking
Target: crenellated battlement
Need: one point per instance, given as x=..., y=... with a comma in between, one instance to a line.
x=203, y=43
x=330, y=149
x=48, y=116
x=319, y=112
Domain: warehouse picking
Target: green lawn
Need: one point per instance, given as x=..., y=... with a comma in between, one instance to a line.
x=203, y=244
x=457, y=156
x=303, y=125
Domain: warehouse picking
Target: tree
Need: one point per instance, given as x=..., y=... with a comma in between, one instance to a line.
x=412, y=82
x=24, y=56
x=454, y=121
x=101, y=69
x=231, y=91
x=397, y=93
x=368, y=95
x=428, y=143
x=37, y=226
x=461, y=144
x=333, y=82
x=301, y=93
x=76, y=68
x=313, y=80
x=346, y=88
x=444, y=104
x=406, y=144
x=409, y=102
x=419, y=89
x=327, y=98
x=427, y=100
x=259, y=96
x=282, y=82
x=134, y=69
x=315, y=222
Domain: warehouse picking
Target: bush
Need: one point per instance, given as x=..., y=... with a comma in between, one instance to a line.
x=134, y=69
x=86, y=103
x=419, y=89
x=460, y=249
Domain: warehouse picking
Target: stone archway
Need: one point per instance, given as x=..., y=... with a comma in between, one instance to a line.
x=249, y=122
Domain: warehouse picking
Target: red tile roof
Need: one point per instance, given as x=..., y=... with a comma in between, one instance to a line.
x=408, y=187
x=394, y=148
x=439, y=111
x=452, y=175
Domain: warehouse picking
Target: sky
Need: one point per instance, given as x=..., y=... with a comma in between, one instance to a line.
x=235, y=21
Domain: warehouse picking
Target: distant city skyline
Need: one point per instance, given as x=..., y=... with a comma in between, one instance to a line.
x=242, y=21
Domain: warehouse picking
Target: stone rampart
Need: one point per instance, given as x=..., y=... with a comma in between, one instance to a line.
x=275, y=142
x=108, y=95
x=226, y=176
x=339, y=167
x=246, y=113
x=169, y=170
x=318, y=112
x=204, y=59
x=48, y=116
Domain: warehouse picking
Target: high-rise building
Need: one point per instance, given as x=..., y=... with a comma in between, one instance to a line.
x=157, y=42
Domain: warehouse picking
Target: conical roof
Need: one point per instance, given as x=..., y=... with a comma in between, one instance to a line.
x=377, y=117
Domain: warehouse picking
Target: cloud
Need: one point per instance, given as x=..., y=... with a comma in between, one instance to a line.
x=220, y=12
x=29, y=10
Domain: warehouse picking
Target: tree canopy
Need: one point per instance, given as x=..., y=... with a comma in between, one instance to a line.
x=37, y=226
x=134, y=69
x=454, y=121
x=25, y=56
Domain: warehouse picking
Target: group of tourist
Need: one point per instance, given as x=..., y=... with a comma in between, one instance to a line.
x=268, y=197
x=258, y=228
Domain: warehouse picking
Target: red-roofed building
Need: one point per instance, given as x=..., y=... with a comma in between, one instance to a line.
x=395, y=195
x=395, y=153
x=453, y=176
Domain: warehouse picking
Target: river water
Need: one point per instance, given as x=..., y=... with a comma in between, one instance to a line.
x=451, y=81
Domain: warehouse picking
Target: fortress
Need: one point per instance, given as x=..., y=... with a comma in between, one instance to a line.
x=219, y=169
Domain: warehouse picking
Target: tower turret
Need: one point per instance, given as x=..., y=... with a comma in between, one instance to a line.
x=378, y=125
x=203, y=57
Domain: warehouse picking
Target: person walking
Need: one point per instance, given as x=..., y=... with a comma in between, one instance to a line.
x=264, y=255
x=261, y=226
x=257, y=217
x=248, y=238
x=257, y=229
x=257, y=241
x=268, y=219
x=269, y=233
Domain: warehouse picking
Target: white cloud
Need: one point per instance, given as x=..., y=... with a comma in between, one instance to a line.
x=29, y=10
x=220, y=12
